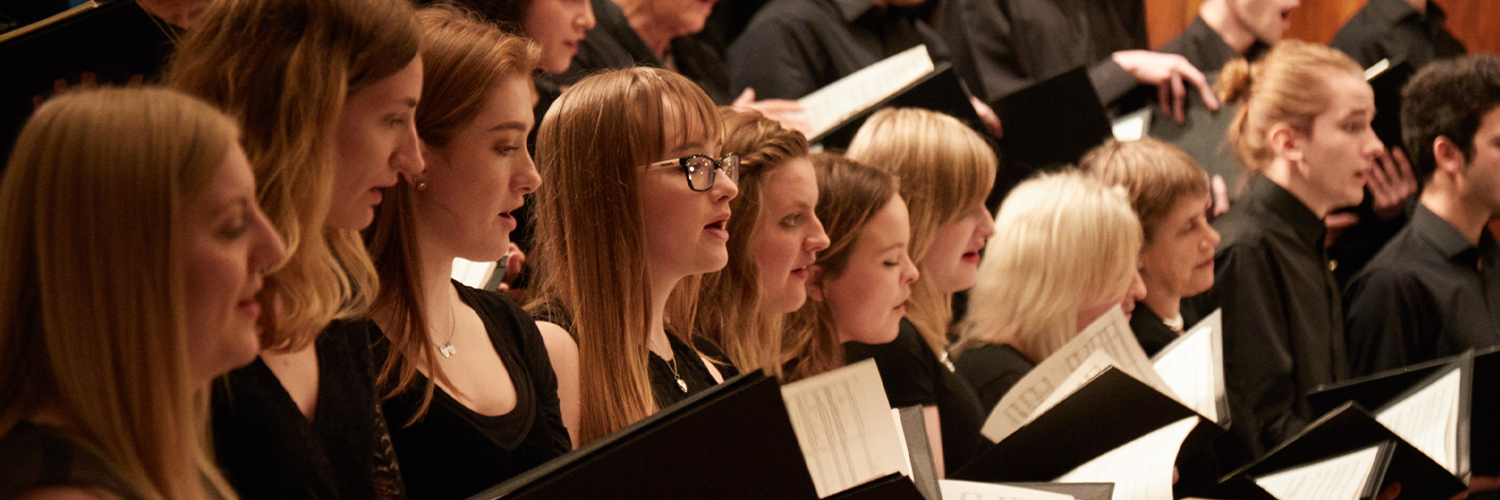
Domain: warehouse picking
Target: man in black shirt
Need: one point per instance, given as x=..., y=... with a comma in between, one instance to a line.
x=1226, y=30
x=1434, y=290
x=1399, y=30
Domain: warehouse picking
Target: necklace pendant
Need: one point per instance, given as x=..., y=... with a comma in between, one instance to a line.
x=447, y=350
x=682, y=385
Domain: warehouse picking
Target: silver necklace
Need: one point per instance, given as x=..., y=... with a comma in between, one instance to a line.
x=672, y=364
x=447, y=348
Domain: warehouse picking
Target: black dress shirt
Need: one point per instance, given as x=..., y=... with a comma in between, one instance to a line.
x=992, y=369
x=793, y=47
x=1391, y=29
x=1428, y=294
x=613, y=44
x=1001, y=46
x=1150, y=331
x=1203, y=47
x=913, y=376
x=1283, y=317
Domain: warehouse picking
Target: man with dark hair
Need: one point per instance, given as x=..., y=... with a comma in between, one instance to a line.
x=1434, y=290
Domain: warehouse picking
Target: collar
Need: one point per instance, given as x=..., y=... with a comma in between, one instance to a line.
x=852, y=9
x=1279, y=202
x=1448, y=240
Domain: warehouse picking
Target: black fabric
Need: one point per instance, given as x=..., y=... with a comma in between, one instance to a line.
x=613, y=44
x=689, y=366
x=40, y=456
x=1392, y=29
x=1153, y=334
x=454, y=452
x=1428, y=294
x=991, y=370
x=913, y=376
x=1001, y=46
x=1203, y=47
x=269, y=450
x=793, y=47
x=715, y=355
x=1283, y=317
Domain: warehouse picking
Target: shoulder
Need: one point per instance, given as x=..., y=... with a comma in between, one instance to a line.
x=907, y=354
x=984, y=364
x=44, y=462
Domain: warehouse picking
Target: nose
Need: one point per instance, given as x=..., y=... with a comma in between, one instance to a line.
x=407, y=158
x=267, y=248
x=909, y=273
x=724, y=188
x=1213, y=238
x=1137, y=289
x=587, y=19
x=527, y=180
x=819, y=240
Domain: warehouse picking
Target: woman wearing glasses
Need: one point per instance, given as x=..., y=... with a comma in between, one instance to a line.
x=635, y=205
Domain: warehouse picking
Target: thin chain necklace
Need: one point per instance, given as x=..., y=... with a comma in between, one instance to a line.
x=672, y=364
x=447, y=348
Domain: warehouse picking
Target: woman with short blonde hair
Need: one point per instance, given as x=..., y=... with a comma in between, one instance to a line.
x=1065, y=252
x=132, y=248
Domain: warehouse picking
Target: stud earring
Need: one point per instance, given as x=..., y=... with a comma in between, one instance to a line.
x=421, y=183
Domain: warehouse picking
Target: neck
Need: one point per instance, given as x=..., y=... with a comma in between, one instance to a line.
x=1419, y=5
x=437, y=293
x=656, y=35
x=1282, y=174
x=656, y=337
x=1165, y=305
x=1448, y=205
x=1232, y=30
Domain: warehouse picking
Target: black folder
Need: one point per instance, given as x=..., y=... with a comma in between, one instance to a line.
x=1111, y=410
x=114, y=39
x=940, y=91
x=1202, y=136
x=888, y=487
x=1350, y=428
x=1387, y=86
x=733, y=441
x=1483, y=398
x=1047, y=125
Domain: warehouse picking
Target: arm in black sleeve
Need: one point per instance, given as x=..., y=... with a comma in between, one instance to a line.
x=772, y=57
x=1258, y=359
x=1385, y=312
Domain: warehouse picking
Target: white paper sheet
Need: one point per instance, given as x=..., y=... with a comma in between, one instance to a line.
x=472, y=274
x=831, y=105
x=1110, y=334
x=1133, y=126
x=1140, y=469
x=1428, y=419
x=843, y=424
x=966, y=490
x=1193, y=367
x=1338, y=478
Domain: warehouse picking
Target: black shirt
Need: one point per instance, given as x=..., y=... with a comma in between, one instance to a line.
x=1428, y=294
x=455, y=452
x=613, y=44
x=793, y=47
x=1283, y=317
x=269, y=450
x=991, y=370
x=1203, y=47
x=1392, y=29
x=33, y=457
x=1153, y=334
x=1001, y=46
x=913, y=376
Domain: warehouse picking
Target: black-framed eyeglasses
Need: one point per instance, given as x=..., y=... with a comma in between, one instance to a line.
x=701, y=170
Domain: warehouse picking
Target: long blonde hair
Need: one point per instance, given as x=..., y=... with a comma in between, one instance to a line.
x=849, y=195
x=1062, y=241
x=462, y=59
x=729, y=302
x=945, y=168
x=92, y=305
x=283, y=68
x=1287, y=85
x=591, y=243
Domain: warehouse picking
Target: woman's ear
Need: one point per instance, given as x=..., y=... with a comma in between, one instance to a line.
x=814, y=284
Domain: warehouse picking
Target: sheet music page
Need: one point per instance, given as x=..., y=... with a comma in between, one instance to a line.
x=968, y=490
x=1133, y=126
x=470, y=273
x=1110, y=334
x=1190, y=366
x=901, y=438
x=1092, y=366
x=831, y=105
x=1428, y=419
x=843, y=425
x=1140, y=469
x=1338, y=478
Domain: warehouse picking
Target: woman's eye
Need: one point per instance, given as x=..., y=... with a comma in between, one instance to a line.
x=791, y=221
x=233, y=231
x=505, y=150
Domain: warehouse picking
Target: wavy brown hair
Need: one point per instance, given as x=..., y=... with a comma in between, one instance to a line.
x=283, y=69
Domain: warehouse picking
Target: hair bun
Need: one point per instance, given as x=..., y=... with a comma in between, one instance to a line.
x=1234, y=80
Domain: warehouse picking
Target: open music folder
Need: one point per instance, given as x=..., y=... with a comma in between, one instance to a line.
x=1193, y=366
x=1047, y=124
x=1349, y=429
x=1356, y=475
x=909, y=79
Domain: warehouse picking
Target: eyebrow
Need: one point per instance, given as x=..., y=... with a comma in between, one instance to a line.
x=894, y=246
x=510, y=125
x=409, y=102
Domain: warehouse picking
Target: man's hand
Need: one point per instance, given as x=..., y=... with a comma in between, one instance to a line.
x=988, y=116
x=1391, y=183
x=1168, y=73
x=789, y=113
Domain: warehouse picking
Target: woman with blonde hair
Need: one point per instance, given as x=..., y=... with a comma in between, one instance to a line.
x=1065, y=252
x=859, y=285
x=1169, y=193
x=635, y=205
x=946, y=171
x=131, y=248
x=774, y=238
x=1303, y=129
x=325, y=91
x=466, y=379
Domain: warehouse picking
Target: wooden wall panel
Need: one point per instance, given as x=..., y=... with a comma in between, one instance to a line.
x=1474, y=22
